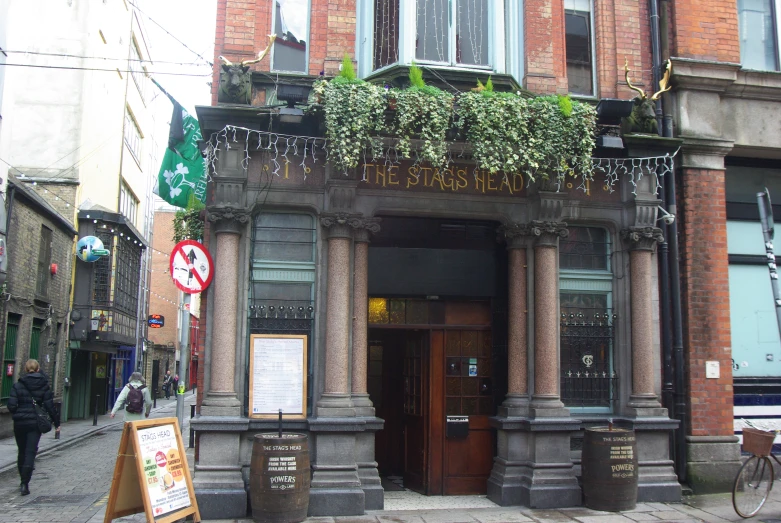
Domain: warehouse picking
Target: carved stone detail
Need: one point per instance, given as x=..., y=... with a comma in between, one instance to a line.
x=642, y=238
x=228, y=219
x=548, y=233
x=515, y=234
x=365, y=227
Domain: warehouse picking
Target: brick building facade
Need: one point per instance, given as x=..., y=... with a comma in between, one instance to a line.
x=36, y=296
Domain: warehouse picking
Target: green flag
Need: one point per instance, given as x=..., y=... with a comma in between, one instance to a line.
x=183, y=171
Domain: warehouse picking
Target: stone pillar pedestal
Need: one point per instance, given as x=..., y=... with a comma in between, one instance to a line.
x=364, y=441
x=336, y=487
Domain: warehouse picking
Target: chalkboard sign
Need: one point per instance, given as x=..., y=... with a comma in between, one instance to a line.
x=151, y=474
x=277, y=378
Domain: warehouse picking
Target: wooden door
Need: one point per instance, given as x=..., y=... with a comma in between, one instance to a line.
x=461, y=387
x=415, y=401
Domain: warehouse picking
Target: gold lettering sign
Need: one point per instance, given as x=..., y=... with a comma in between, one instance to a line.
x=453, y=178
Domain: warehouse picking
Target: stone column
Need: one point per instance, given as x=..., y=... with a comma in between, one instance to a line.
x=336, y=488
x=218, y=483
x=546, y=400
x=364, y=441
x=228, y=224
x=642, y=242
x=360, y=396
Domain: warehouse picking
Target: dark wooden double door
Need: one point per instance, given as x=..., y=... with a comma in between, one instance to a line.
x=418, y=377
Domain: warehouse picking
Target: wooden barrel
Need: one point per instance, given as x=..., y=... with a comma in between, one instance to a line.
x=609, y=463
x=279, y=478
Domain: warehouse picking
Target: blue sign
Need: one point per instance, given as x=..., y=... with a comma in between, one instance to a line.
x=90, y=249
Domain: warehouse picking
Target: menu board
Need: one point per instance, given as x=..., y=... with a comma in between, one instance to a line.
x=151, y=474
x=163, y=472
x=277, y=375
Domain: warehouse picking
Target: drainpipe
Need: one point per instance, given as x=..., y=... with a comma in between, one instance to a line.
x=680, y=406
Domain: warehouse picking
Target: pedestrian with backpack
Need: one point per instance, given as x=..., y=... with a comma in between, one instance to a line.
x=135, y=398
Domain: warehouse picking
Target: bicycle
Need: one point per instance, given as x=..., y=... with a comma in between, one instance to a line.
x=755, y=478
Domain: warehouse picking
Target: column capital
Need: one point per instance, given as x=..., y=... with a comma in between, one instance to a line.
x=642, y=238
x=516, y=235
x=228, y=219
x=548, y=233
x=365, y=227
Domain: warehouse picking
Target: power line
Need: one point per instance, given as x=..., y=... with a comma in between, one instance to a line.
x=66, y=55
x=71, y=68
x=172, y=36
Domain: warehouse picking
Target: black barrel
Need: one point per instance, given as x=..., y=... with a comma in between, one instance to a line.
x=609, y=464
x=279, y=478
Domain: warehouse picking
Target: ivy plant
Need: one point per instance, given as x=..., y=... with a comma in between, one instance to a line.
x=422, y=111
x=354, y=114
x=188, y=224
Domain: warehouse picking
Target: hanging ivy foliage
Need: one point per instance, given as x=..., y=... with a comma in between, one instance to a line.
x=188, y=224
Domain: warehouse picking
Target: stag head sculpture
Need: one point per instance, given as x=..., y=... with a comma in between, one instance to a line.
x=643, y=117
x=235, y=79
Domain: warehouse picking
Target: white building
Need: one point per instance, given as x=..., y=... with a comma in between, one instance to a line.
x=85, y=127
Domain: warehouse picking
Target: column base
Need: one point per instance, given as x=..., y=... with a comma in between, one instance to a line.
x=364, y=407
x=547, y=406
x=645, y=401
x=533, y=466
x=656, y=477
x=221, y=404
x=332, y=405
x=514, y=406
x=336, y=502
x=712, y=463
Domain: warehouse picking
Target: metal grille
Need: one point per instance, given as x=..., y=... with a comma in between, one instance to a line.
x=101, y=273
x=9, y=355
x=128, y=272
x=588, y=378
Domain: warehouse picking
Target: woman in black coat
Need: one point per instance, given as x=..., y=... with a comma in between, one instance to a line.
x=32, y=385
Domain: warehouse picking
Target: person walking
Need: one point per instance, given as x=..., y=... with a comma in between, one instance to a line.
x=167, y=384
x=31, y=388
x=135, y=398
x=175, y=384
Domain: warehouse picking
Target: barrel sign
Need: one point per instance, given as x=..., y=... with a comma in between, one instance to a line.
x=279, y=478
x=609, y=464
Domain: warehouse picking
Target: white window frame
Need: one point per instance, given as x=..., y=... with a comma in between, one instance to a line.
x=137, y=69
x=776, y=7
x=134, y=138
x=307, y=39
x=128, y=203
x=575, y=5
x=498, y=24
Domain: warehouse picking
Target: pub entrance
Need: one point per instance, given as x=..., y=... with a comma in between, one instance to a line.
x=437, y=328
x=433, y=386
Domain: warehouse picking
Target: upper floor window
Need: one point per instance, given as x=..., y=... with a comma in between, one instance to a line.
x=450, y=33
x=44, y=260
x=137, y=70
x=291, y=25
x=758, y=37
x=128, y=203
x=453, y=32
x=580, y=46
x=133, y=135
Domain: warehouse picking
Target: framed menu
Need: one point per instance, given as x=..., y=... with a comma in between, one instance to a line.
x=277, y=375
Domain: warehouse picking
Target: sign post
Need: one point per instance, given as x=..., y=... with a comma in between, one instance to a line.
x=151, y=474
x=768, y=231
x=191, y=266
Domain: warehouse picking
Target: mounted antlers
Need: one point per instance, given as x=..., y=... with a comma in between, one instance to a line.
x=664, y=83
x=261, y=55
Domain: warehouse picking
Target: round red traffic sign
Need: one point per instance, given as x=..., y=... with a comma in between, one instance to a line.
x=191, y=266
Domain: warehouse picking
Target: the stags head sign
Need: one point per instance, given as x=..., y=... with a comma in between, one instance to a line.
x=643, y=117
x=235, y=79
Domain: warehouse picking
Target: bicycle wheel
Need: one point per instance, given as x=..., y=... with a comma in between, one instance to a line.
x=752, y=486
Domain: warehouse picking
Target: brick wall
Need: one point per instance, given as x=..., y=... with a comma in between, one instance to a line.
x=705, y=300
x=23, y=242
x=706, y=30
x=163, y=295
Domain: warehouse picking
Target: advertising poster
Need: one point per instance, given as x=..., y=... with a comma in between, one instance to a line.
x=163, y=469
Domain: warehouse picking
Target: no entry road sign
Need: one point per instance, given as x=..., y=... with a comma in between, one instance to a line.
x=191, y=266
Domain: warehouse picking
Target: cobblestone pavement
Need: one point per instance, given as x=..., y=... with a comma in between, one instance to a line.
x=71, y=485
